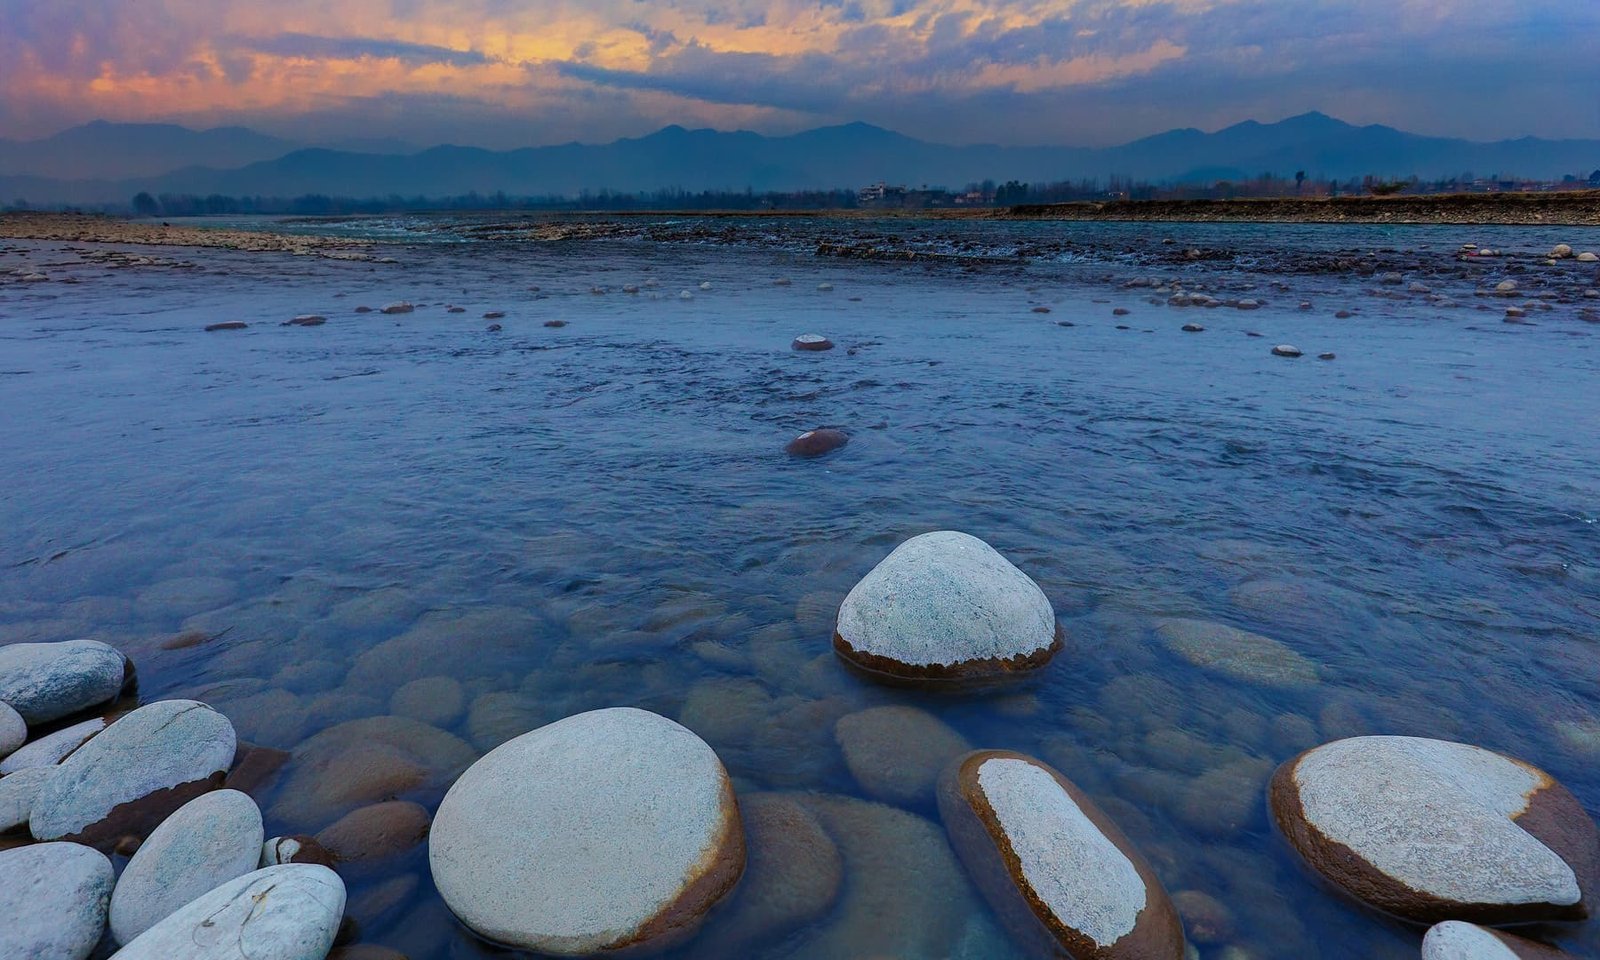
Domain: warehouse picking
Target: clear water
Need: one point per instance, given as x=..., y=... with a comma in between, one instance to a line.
x=602, y=514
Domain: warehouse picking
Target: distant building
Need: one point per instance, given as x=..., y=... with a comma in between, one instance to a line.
x=881, y=194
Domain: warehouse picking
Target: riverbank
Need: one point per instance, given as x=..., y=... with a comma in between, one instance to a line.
x=1567, y=208
x=85, y=228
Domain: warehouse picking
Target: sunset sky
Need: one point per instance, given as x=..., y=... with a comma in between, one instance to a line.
x=505, y=73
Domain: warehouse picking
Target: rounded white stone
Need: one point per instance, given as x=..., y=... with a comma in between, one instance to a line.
x=1435, y=816
x=1067, y=863
x=47, y=681
x=289, y=912
x=1455, y=940
x=160, y=745
x=13, y=730
x=47, y=751
x=53, y=901
x=208, y=841
x=17, y=794
x=946, y=598
x=570, y=838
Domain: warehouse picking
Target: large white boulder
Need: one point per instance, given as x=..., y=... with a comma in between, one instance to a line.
x=53, y=901
x=129, y=778
x=210, y=840
x=289, y=912
x=946, y=606
x=606, y=830
x=47, y=681
x=1431, y=830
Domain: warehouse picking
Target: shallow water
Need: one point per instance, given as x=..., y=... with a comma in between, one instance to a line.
x=602, y=514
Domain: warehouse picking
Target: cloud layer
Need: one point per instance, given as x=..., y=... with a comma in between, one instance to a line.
x=517, y=72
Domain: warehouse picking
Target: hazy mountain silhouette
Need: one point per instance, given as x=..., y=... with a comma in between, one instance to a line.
x=826, y=158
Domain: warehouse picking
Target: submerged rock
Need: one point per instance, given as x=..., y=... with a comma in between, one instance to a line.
x=47, y=681
x=376, y=831
x=1237, y=653
x=1286, y=350
x=946, y=606
x=207, y=842
x=896, y=753
x=366, y=761
x=136, y=773
x=812, y=341
x=289, y=912
x=226, y=325
x=815, y=443
x=301, y=849
x=1431, y=830
x=610, y=829
x=1057, y=871
x=53, y=901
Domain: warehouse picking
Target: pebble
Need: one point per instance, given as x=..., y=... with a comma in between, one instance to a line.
x=896, y=753
x=209, y=840
x=705, y=285
x=555, y=324
x=495, y=315
x=287, y=912
x=300, y=849
x=1193, y=328
x=53, y=901
x=13, y=730
x=1561, y=251
x=812, y=341
x=1237, y=653
x=1120, y=312
x=306, y=320
x=1327, y=356
x=1431, y=830
x=17, y=793
x=1248, y=304
x=47, y=681
x=1041, y=309
x=1286, y=350
x=439, y=701
x=825, y=287
x=815, y=443
x=226, y=325
x=1057, y=871
x=1588, y=256
x=400, y=306
x=1458, y=940
x=133, y=775
x=375, y=831
x=611, y=828
x=946, y=606
x=365, y=761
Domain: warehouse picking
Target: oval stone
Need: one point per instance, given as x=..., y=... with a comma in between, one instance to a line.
x=1430, y=830
x=13, y=730
x=17, y=794
x=946, y=606
x=53, y=901
x=815, y=443
x=1058, y=872
x=289, y=912
x=49, y=750
x=47, y=681
x=812, y=341
x=1456, y=940
x=607, y=830
x=1237, y=653
x=132, y=776
x=210, y=840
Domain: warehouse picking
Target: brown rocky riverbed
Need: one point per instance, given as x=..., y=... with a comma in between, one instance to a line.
x=84, y=228
x=1571, y=207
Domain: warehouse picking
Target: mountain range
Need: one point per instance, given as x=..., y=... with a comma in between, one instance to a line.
x=107, y=163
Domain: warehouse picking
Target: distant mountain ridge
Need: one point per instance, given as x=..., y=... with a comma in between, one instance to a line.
x=825, y=158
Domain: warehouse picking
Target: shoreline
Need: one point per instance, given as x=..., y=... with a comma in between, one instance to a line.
x=100, y=228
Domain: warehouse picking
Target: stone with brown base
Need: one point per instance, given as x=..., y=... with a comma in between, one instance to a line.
x=945, y=606
x=610, y=831
x=1429, y=830
x=1457, y=940
x=815, y=443
x=1059, y=873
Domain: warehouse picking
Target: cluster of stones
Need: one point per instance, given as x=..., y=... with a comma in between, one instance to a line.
x=151, y=779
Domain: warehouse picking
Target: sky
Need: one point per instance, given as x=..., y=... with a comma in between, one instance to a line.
x=509, y=73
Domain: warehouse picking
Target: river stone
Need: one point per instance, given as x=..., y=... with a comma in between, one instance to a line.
x=289, y=912
x=47, y=751
x=606, y=830
x=793, y=877
x=1057, y=871
x=376, y=831
x=47, y=681
x=301, y=849
x=53, y=901
x=439, y=701
x=365, y=761
x=472, y=642
x=812, y=341
x=17, y=794
x=13, y=730
x=1431, y=830
x=815, y=443
x=1456, y=940
x=1237, y=653
x=896, y=753
x=210, y=840
x=129, y=778
x=946, y=606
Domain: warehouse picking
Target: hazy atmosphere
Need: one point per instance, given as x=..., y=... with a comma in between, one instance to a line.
x=504, y=74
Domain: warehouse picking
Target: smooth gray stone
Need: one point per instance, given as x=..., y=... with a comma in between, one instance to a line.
x=53, y=901
x=288, y=912
x=158, y=746
x=13, y=729
x=47, y=681
x=17, y=794
x=48, y=751
x=210, y=840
